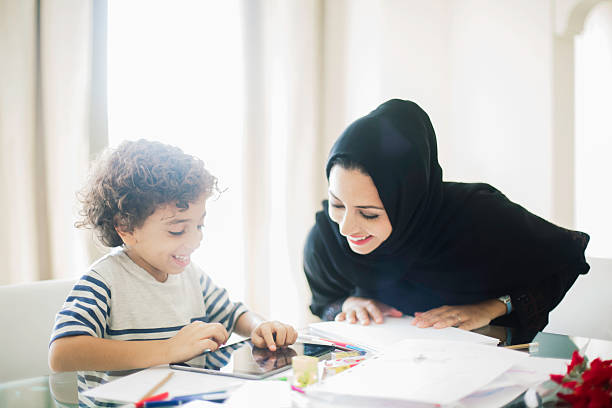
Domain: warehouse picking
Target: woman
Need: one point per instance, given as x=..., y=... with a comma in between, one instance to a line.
x=394, y=239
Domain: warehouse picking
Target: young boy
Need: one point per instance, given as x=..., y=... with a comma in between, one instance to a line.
x=149, y=200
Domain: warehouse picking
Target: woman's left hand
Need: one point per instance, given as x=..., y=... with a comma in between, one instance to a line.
x=271, y=334
x=467, y=317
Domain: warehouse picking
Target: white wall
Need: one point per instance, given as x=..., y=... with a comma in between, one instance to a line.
x=375, y=51
x=500, y=119
x=594, y=130
x=481, y=69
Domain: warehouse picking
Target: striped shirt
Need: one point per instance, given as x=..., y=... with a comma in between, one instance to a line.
x=119, y=300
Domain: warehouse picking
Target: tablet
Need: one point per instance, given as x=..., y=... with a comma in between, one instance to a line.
x=244, y=360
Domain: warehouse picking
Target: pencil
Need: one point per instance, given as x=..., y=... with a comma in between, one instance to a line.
x=157, y=386
x=522, y=346
x=341, y=345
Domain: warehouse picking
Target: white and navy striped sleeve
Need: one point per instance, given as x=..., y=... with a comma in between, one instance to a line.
x=219, y=307
x=86, y=309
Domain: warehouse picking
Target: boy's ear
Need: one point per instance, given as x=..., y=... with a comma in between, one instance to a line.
x=126, y=236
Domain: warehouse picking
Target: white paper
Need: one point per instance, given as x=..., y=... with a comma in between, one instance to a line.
x=491, y=398
x=132, y=387
x=425, y=371
x=527, y=373
x=377, y=336
x=263, y=393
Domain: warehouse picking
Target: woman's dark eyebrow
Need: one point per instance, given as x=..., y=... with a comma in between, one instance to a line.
x=371, y=207
x=363, y=207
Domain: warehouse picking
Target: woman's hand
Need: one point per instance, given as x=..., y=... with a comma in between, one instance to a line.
x=194, y=338
x=272, y=334
x=467, y=317
x=363, y=310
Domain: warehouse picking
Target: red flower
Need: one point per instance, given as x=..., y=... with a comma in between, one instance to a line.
x=577, y=360
x=599, y=375
x=583, y=386
x=558, y=378
x=577, y=400
x=599, y=398
x=570, y=384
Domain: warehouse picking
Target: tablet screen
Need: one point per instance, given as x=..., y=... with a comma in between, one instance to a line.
x=244, y=360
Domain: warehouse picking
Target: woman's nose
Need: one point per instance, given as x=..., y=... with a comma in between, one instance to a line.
x=348, y=225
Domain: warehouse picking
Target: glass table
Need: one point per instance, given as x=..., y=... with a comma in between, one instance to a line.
x=59, y=390
x=53, y=391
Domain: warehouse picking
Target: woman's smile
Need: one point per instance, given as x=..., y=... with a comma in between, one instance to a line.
x=359, y=240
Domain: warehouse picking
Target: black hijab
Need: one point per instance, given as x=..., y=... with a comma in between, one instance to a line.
x=454, y=237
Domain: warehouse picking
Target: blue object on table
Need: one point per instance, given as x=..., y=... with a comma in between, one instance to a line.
x=208, y=396
x=355, y=348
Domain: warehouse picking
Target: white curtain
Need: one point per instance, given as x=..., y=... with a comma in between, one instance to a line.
x=284, y=150
x=46, y=94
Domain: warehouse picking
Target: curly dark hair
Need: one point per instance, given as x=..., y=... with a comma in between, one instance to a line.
x=128, y=183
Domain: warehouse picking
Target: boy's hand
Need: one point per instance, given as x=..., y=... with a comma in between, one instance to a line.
x=194, y=338
x=272, y=334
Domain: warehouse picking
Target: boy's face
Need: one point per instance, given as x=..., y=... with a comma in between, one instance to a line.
x=164, y=243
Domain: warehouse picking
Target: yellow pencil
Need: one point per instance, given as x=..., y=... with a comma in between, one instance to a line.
x=522, y=346
x=157, y=386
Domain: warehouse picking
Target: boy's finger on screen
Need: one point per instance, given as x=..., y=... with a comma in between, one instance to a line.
x=266, y=333
x=281, y=334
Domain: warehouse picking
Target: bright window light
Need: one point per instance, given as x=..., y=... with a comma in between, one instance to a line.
x=175, y=74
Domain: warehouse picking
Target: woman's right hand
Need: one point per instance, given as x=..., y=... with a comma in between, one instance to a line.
x=194, y=339
x=360, y=309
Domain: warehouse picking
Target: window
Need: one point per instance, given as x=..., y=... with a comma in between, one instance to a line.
x=174, y=67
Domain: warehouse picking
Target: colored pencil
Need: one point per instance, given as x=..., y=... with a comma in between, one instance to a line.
x=345, y=345
x=522, y=346
x=156, y=387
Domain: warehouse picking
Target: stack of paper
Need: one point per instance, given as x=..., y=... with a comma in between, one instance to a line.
x=376, y=336
x=421, y=371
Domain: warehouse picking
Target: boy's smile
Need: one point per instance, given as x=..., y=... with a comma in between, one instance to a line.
x=164, y=243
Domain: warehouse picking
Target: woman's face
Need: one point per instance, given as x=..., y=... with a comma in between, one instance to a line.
x=355, y=206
